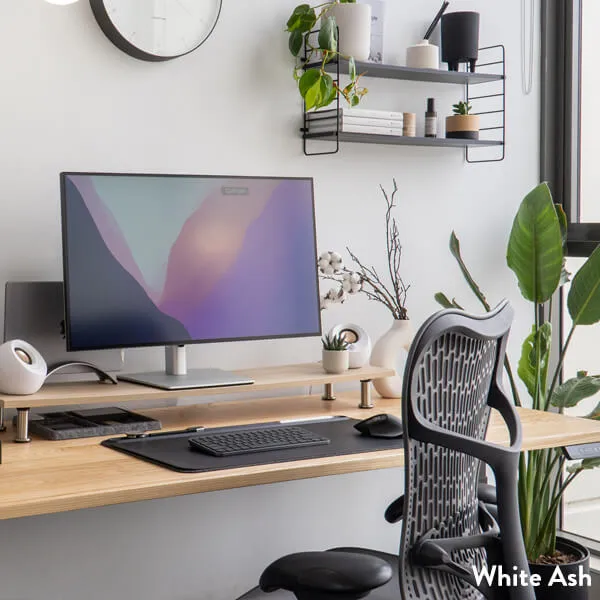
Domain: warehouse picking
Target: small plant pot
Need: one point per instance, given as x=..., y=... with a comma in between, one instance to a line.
x=336, y=361
x=462, y=127
x=551, y=587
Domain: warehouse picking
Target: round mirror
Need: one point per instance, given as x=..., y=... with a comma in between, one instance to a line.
x=157, y=30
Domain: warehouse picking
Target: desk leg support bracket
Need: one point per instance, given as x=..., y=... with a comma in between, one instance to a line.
x=22, y=436
x=365, y=394
x=328, y=392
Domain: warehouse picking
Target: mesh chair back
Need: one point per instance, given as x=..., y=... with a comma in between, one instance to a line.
x=454, y=361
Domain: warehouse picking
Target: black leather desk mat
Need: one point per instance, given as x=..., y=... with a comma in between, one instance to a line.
x=172, y=450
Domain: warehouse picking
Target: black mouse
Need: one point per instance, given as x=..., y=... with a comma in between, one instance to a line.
x=380, y=426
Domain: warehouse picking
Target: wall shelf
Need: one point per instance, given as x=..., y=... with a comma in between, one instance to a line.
x=368, y=138
x=368, y=69
x=489, y=102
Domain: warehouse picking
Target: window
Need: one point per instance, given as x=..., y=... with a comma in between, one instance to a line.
x=570, y=135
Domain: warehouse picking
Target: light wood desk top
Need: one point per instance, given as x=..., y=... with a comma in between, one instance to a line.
x=47, y=477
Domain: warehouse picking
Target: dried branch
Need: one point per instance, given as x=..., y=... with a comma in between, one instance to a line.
x=391, y=296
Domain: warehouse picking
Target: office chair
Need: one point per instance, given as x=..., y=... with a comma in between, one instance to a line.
x=452, y=380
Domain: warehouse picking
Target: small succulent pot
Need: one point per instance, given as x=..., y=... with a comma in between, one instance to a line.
x=336, y=361
x=462, y=127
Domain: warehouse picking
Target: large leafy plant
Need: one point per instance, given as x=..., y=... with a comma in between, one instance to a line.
x=535, y=254
x=317, y=87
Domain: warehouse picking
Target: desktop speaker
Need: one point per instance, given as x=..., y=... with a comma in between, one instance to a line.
x=359, y=343
x=22, y=368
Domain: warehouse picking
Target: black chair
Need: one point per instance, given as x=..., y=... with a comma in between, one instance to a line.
x=452, y=380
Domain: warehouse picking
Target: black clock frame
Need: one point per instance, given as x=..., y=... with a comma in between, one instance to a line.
x=121, y=42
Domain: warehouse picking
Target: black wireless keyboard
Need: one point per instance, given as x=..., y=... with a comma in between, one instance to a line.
x=247, y=441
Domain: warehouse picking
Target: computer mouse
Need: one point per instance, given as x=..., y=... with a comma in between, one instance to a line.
x=380, y=426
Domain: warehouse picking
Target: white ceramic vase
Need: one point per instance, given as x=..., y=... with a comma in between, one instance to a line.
x=391, y=351
x=354, y=25
x=336, y=361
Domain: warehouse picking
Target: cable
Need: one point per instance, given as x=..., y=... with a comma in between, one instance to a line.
x=527, y=69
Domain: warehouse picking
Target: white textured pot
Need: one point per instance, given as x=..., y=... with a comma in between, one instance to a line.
x=391, y=351
x=336, y=361
x=354, y=25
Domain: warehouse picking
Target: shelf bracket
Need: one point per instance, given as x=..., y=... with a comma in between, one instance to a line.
x=493, y=104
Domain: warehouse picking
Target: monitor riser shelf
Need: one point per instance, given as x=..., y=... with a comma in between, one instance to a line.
x=266, y=378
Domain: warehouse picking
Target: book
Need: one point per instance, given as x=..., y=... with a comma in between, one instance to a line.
x=356, y=113
x=344, y=128
x=329, y=122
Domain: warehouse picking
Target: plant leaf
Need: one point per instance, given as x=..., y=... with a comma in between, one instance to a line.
x=303, y=18
x=583, y=301
x=328, y=34
x=326, y=90
x=295, y=42
x=352, y=68
x=455, y=251
x=536, y=344
x=585, y=464
x=590, y=463
x=535, y=252
x=310, y=86
x=565, y=275
x=443, y=301
x=572, y=391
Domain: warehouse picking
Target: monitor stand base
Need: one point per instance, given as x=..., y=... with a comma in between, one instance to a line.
x=194, y=378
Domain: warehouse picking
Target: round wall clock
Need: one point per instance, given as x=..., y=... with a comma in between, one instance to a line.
x=157, y=30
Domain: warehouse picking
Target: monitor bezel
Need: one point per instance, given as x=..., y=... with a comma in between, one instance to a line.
x=73, y=348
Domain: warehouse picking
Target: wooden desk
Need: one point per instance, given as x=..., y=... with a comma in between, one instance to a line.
x=47, y=477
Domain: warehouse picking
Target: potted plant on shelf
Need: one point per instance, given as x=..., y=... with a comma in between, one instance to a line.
x=390, y=350
x=462, y=125
x=535, y=254
x=316, y=86
x=336, y=358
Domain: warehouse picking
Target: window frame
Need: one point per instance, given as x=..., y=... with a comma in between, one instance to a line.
x=560, y=151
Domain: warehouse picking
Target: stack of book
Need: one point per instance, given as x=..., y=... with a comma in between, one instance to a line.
x=355, y=120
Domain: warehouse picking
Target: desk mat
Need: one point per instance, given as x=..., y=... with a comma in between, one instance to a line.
x=172, y=450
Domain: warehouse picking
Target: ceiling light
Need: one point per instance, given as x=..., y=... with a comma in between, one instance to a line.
x=61, y=2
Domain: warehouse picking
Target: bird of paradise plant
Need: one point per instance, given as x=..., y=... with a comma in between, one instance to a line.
x=536, y=255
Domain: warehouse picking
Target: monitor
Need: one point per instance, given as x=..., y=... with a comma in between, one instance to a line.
x=170, y=260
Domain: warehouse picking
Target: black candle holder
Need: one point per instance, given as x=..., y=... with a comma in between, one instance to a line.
x=460, y=39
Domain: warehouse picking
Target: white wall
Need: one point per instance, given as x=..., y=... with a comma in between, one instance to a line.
x=71, y=101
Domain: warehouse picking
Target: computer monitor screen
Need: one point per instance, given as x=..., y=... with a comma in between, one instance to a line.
x=178, y=259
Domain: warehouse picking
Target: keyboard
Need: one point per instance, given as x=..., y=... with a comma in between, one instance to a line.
x=247, y=441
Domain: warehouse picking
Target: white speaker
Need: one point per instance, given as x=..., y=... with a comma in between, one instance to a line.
x=359, y=343
x=22, y=368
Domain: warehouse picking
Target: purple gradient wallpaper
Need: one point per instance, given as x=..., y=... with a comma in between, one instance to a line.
x=158, y=260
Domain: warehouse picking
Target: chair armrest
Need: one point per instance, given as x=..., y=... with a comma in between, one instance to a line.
x=487, y=493
x=395, y=511
x=323, y=573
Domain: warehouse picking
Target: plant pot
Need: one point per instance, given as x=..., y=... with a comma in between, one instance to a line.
x=557, y=591
x=354, y=26
x=336, y=361
x=391, y=351
x=460, y=39
x=462, y=127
